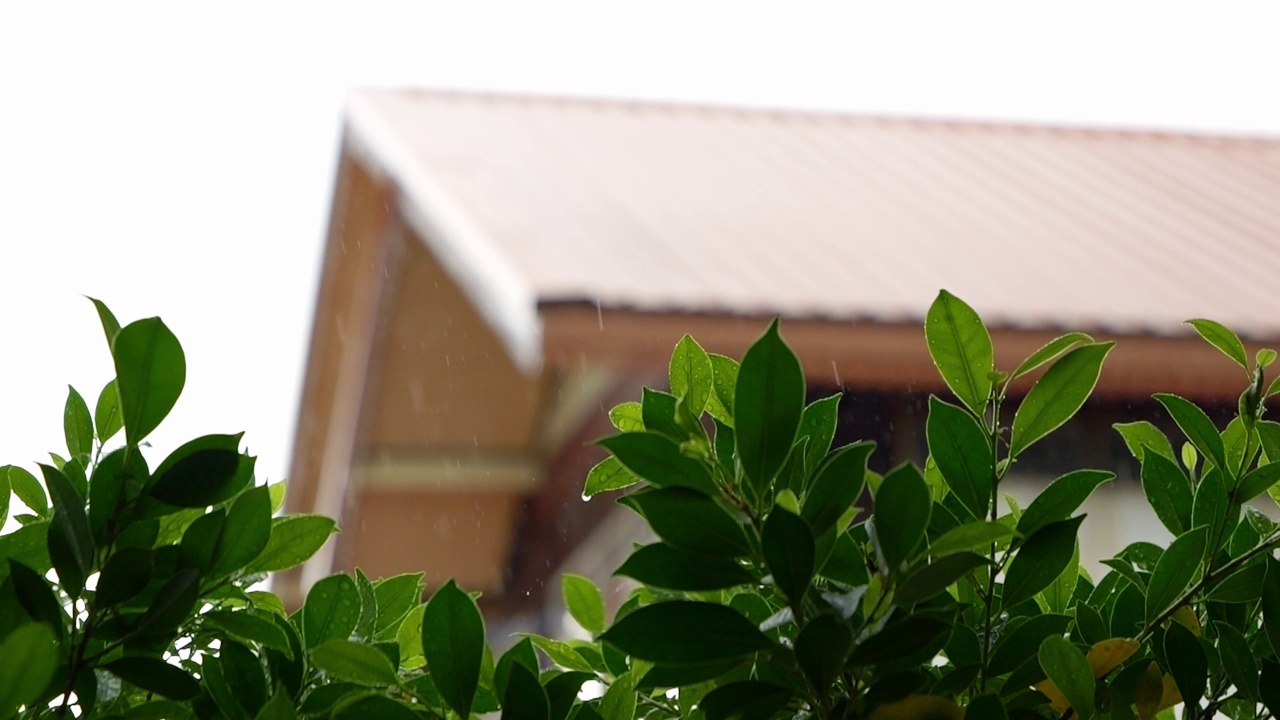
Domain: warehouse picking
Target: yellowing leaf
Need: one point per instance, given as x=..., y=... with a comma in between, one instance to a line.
x=919, y=707
x=1107, y=655
x=1056, y=698
x=1187, y=617
x=1155, y=692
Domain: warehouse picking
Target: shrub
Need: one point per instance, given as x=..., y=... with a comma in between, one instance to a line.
x=129, y=592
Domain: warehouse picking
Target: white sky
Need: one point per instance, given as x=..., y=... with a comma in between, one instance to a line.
x=178, y=162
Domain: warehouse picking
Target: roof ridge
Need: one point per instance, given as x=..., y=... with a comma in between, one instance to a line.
x=1099, y=131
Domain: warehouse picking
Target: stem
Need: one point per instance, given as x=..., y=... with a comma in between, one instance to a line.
x=988, y=598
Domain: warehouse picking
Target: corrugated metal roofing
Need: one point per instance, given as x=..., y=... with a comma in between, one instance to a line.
x=816, y=215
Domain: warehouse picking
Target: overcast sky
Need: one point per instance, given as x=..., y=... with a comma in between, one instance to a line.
x=179, y=163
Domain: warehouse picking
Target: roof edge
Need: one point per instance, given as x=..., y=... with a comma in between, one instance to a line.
x=504, y=297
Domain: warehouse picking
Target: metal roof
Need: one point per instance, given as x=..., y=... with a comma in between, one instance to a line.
x=531, y=201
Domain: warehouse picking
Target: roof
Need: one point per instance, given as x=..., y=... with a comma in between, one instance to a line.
x=668, y=208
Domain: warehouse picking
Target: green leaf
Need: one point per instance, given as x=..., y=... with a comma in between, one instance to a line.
x=172, y=606
x=1057, y=597
x=354, y=662
x=686, y=632
x=609, y=474
x=562, y=692
x=690, y=374
x=36, y=597
x=246, y=532
x=1187, y=662
x=584, y=602
x=818, y=423
x=661, y=565
x=70, y=542
x=294, y=539
x=657, y=459
x=900, y=640
x=453, y=643
x=745, y=700
x=1257, y=481
x=1271, y=603
x=1168, y=492
x=279, y=707
x=1141, y=436
x=658, y=412
x=690, y=521
x=961, y=349
x=248, y=627
x=627, y=417
x=524, y=698
x=934, y=578
x=125, y=574
x=106, y=414
x=1177, y=566
x=110, y=326
x=1222, y=338
x=200, y=473
x=822, y=647
x=77, y=425
x=788, y=546
x=395, y=596
x=960, y=448
x=1238, y=660
x=837, y=485
x=561, y=653
x=27, y=545
x=118, y=475
x=619, y=701
x=724, y=372
x=1197, y=427
x=27, y=488
x=1061, y=498
x=987, y=707
x=977, y=534
x=902, y=509
x=768, y=403
x=331, y=610
x=521, y=654
x=28, y=657
x=156, y=676
x=1019, y=645
x=1066, y=666
x=1212, y=506
x=1057, y=395
x=1050, y=351
x=150, y=372
x=1040, y=560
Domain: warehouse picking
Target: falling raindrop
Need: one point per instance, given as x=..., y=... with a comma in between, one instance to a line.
x=599, y=315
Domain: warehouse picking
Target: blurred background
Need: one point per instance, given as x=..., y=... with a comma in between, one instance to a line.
x=415, y=250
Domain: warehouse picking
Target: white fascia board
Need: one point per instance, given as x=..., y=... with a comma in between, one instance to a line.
x=502, y=295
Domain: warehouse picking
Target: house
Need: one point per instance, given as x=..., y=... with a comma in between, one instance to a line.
x=500, y=270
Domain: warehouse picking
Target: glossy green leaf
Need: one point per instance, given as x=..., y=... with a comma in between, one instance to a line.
x=657, y=459
x=627, y=417
x=28, y=657
x=1212, y=506
x=724, y=373
x=27, y=545
x=1238, y=660
x=619, y=700
x=977, y=534
x=1141, y=436
x=1221, y=337
x=246, y=532
x=117, y=476
x=1177, y=566
x=745, y=700
x=331, y=611
x=1197, y=426
x=1050, y=351
x=1257, y=481
x=110, y=326
x=902, y=509
x=1168, y=492
x=1057, y=395
x=768, y=402
x=294, y=539
x=70, y=542
x=375, y=708
x=36, y=597
x=686, y=632
x=1061, y=498
x=1271, y=603
x=1187, y=662
x=125, y=574
x=661, y=565
x=155, y=675
x=1040, y=560
x=690, y=521
x=837, y=484
x=1093, y=629
x=6, y=492
x=27, y=488
x=933, y=579
x=788, y=546
x=608, y=474
x=658, y=412
x=106, y=414
x=818, y=423
x=354, y=662
x=202, y=472
x=690, y=374
x=248, y=627
x=822, y=647
x=77, y=425
x=453, y=642
x=1269, y=686
x=523, y=697
x=1021, y=644
x=584, y=602
x=962, y=452
x=900, y=640
x=1057, y=597
x=172, y=605
x=279, y=707
x=961, y=349
x=395, y=596
x=522, y=654
x=150, y=372
x=1066, y=666
x=242, y=671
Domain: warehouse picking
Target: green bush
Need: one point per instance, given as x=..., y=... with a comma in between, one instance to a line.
x=127, y=591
